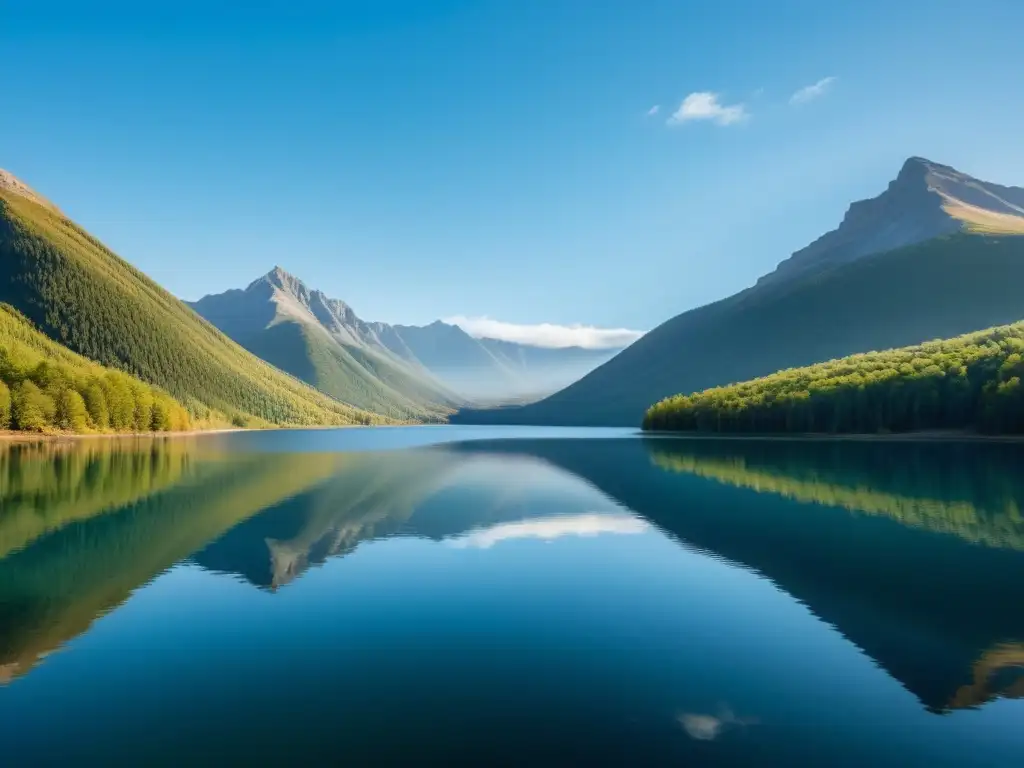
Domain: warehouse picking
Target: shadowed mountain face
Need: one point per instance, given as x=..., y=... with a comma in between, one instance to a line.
x=937, y=255
x=392, y=369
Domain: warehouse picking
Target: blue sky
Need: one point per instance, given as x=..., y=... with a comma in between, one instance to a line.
x=480, y=158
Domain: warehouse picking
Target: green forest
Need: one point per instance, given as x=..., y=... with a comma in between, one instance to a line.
x=45, y=387
x=88, y=299
x=971, y=382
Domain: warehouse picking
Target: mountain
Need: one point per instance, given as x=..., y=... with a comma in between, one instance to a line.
x=955, y=258
x=548, y=369
x=323, y=342
x=401, y=370
x=483, y=368
x=925, y=200
x=85, y=297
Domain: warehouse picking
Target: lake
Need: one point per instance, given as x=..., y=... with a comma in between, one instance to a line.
x=510, y=596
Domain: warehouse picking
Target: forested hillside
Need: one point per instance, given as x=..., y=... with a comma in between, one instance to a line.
x=44, y=387
x=85, y=297
x=968, y=383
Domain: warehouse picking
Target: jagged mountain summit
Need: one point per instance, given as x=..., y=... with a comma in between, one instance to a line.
x=936, y=255
x=392, y=369
x=925, y=200
x=12, y=184
x=322, y=341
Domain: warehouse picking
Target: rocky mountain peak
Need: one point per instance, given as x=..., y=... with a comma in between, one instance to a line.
x=925, y=200
x=11, y=183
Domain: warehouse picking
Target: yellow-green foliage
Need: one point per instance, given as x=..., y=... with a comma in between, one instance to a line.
x=970, y=382
x=82, y=295
x=45, y=387
x=974, y=496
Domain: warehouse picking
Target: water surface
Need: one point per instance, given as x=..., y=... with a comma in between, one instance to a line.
x=510, y=597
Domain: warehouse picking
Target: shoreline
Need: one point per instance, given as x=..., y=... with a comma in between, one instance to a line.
x=14, y=436
x=933, y=436
x=924, y=436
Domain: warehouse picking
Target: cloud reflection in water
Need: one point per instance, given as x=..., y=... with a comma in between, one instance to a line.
x=550, y=528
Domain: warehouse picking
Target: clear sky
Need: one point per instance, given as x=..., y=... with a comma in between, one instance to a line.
x=423, y=160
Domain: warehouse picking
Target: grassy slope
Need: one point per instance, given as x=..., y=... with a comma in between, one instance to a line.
x=941, y=288
x=87, y=298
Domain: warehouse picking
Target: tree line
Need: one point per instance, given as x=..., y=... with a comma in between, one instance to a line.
x=44, y=387
x=971, y=382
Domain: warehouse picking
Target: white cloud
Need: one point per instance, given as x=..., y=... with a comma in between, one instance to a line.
x=546, y=334
x=654, y=110
x=551, y=528
x=705, y=105
x=812, y=92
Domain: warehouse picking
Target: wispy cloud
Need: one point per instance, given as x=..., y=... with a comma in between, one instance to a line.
x=551, y=528
x=813, y=91
x=546, y=334
x=654, y=110
x=705, y=105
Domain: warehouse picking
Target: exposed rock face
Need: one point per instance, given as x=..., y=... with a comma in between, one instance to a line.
x=474, y=368
x=11, y=183
x=925, y=200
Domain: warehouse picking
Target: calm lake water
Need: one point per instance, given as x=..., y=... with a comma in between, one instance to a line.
x=474, y=596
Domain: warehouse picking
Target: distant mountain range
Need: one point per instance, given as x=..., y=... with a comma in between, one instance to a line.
x=936, y=255
x=399, y=370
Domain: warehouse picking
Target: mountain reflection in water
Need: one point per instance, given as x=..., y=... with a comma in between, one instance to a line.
x=911, y=551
